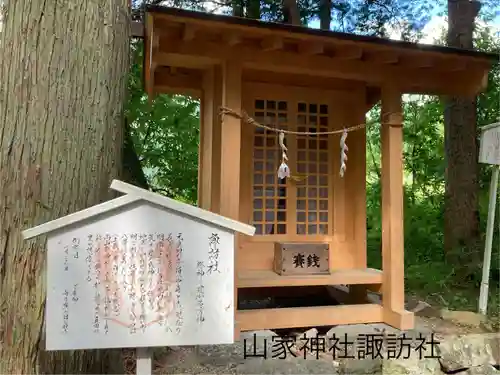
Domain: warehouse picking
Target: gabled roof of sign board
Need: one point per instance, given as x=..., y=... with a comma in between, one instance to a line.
x=335, y=35
x=136, y=194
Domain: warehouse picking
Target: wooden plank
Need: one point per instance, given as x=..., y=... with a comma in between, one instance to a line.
x=392, y=200
x=216, y=141
x=404, y=320
x=308, y=48
x=260, y=32
x=206, y=141
x=314, y=258
x=173, y=90
x=251, y=320
x=148, y=58
x=231, y=142
x=300, y=80
x=259, y=255
x=338, y=203
x=268, y=278
x=181, y=83
x=411, y=80
x=231, y=156
x=356, y=182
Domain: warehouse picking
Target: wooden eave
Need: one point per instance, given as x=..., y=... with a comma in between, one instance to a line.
x=180, y=44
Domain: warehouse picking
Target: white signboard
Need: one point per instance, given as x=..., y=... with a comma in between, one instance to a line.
x=139, y=276
x=489, y=151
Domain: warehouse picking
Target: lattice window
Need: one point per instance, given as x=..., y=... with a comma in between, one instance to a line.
x=309, y=156
x=269, y=192
x=312, y=160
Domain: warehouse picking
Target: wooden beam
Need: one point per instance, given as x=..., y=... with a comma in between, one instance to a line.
x=416, y=61
x=167, y=81
x=294, y=317
x=453, y=64
x=409, y=80
x=149, y=66
x=310, y=48
x=272, y=44
x=392, y=201
x=232, y=39
x=301, y=80
x=205, y=164
x=230, y=155
x=348, y=52
x=185, y=61
x=384, y=57
x=267, y=279
x=258, y=32
x=216, y=141
x=372, y=97
x=195, y=94
x=176, y=79
x=188, y=32
x=404, y=320
x=356, y=182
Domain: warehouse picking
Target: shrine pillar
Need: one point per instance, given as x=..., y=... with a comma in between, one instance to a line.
x=392, y=210
x=210, y=137
x=230, y=157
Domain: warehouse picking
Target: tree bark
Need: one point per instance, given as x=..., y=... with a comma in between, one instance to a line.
x=238, y=8
x=131, y=168
x=62, y=88
x=253, y=9
x=461, y=149
x=325, y=14
x=291, y=12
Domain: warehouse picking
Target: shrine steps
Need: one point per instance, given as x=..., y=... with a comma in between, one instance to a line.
x=315, y=316
x=268, y=278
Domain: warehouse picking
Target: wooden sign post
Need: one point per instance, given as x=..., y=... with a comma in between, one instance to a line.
x=139, y=271
x=489, y=153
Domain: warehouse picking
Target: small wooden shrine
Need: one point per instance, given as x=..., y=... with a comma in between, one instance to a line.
x=305, y=81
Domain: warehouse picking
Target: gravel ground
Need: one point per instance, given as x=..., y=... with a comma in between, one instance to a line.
x=229, y=359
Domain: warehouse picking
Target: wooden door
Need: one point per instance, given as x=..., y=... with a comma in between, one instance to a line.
x=287, y=210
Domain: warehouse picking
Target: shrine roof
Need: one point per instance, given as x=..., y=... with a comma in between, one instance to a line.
x=181, y=43
x=135, y=194
x=302, y=30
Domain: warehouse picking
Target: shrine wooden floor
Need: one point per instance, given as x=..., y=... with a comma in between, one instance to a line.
x=268, y=282
x=260, y=278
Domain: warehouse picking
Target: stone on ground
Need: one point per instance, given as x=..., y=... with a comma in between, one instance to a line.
x=482, y=370
x=411, y=366
x=459, y=352
x=468, y=318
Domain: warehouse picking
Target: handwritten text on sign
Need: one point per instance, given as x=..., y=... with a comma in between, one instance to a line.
x=151, y=287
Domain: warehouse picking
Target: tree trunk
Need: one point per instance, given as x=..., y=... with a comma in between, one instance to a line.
x=253, y=9
x=238, y=8
x=62, y=88
x=461, y=149
x=325, y=14
x=131, y=168
x=291, y=12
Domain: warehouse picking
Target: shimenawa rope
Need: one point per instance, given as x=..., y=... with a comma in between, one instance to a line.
x=284, y=170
